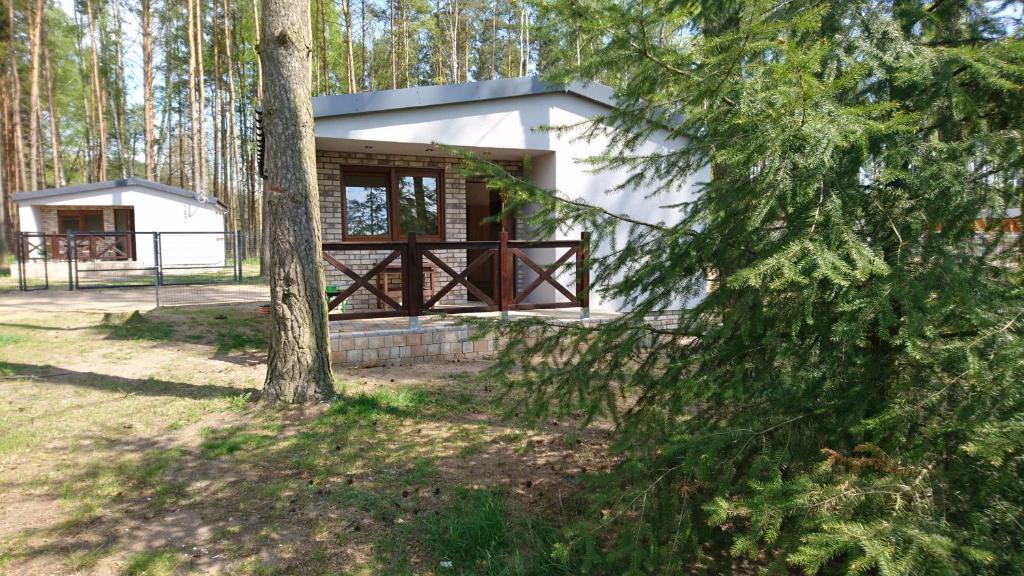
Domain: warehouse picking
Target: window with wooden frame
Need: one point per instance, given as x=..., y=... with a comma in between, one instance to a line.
x=387, y=203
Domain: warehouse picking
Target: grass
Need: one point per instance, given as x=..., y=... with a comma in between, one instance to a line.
x=128, y=462
x=475, y=535
x=153, y=563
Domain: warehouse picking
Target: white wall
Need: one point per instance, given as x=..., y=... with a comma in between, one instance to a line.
x=556, y=159
x=154, y=212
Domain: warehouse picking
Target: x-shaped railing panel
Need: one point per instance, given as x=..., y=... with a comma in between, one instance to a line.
x=363, y=281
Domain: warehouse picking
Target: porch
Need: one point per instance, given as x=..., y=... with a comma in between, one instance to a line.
x=403, y=302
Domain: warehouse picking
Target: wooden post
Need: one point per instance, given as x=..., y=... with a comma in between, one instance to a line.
x=583, y=274
x=505, y=273
x=415, y=280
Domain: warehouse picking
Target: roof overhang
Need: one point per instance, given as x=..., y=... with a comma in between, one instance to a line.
x=114, y=185
x=447, y=94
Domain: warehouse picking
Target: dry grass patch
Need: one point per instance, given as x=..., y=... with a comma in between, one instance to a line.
x=128, y=446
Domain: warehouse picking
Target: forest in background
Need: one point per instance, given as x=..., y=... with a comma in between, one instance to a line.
x=93, y=90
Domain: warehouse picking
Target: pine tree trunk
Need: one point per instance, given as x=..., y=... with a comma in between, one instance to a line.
x=201, y=91
x=34, y=39
x=147, y=89
x=347, y=11
x=55, y=143
x=18, y=182
x=98, y=96
x=125, y=158
x=392, y=41
x=195, y=113
x=259, y=62
x=215, y=117
x=6, y=167
x=299, y=363
x=231, y=160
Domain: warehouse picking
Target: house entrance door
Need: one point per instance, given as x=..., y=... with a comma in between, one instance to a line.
x=482, y=203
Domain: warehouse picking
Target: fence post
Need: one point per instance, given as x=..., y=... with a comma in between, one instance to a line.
x=71, y=251
x=414, y=283
x=18, y=254
x=238, y=260
x=583, y=275
x=46, y=264
x=505, y=275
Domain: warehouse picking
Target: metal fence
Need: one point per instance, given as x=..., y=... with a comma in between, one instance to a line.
x=178, y=267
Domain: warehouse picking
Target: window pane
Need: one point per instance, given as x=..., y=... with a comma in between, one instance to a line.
x=94, y=222
x=366, y=205
x=417, y=209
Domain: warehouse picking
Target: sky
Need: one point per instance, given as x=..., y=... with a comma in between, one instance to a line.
x=133, y=50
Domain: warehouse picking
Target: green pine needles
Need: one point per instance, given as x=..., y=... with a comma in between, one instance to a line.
x=844, y=393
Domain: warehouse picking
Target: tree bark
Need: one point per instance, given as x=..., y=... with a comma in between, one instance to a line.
x=201, y=91
x=231, y=159
x=299, y=363
x=347, y=11
x=98, y=97
x=195, y=110
x=16, y=156
x=120, y=101
x=34, y=128
x=55, y=143
x=392, y=42
x=147, y=89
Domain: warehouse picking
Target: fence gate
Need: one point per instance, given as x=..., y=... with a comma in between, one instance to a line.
x=183, y=267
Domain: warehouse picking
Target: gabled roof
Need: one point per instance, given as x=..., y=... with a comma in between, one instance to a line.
x=424, y=96
x=113, y=185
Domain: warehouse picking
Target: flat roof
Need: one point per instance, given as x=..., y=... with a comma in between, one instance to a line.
x=113, y=185
x=440, y=95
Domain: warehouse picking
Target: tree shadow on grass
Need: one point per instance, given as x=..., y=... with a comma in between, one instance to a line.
x=112, y=383
x=238, y=333
x=357, y=485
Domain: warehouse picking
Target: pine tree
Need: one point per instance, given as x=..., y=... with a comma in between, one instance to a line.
x=842, y=392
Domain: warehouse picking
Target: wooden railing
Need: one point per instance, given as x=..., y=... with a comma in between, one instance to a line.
x=412, y=254
x=87, y=246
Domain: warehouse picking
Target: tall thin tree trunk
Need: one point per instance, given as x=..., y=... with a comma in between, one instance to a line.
x=364, y=78
x=120, y=104
x=259, y=62
x=215, y=113
x=34, y=129
x=231, y=159
x=55, y=143
x=195, y=111
x=347, y=11
x=7, y=169
x=201, y=90
x=98, y=95
x=392, y=42
x=299, y=363
x=147, y=89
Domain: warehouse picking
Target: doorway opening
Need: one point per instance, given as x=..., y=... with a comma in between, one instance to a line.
x=483, y=203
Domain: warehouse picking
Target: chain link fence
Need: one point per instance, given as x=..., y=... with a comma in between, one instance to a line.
x=180, y=268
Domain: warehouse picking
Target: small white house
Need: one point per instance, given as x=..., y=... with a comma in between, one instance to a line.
x=377, y=150
x=116, y=220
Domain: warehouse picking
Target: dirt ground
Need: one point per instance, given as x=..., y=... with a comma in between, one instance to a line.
x=129, y=445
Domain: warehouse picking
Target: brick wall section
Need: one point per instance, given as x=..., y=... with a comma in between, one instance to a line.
x=408, y=346
x=329, y=169
x=440, y=342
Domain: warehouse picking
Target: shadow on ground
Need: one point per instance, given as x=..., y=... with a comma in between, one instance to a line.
x=380, y=481
x=111, y=383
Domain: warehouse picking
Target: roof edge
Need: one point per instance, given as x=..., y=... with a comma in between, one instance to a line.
x=448, y=94
x=114, y=184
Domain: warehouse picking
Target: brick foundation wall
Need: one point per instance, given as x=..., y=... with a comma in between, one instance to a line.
x=329, y=171
x=407, y=346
